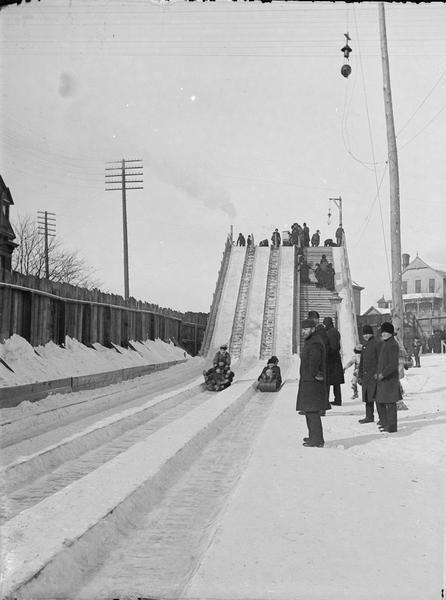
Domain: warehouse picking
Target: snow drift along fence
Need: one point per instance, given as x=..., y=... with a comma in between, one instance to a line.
x=12, y=396
x=40, y=310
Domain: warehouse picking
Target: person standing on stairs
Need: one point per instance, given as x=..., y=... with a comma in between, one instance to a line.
x=334, y=362
x=312, y=392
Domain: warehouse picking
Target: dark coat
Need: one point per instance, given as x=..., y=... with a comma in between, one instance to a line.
x=222, y=357
x=388, y=389
x=321, y=332
x=276, y=239
x=368, y=368
x=312, y=393
x=334, y=362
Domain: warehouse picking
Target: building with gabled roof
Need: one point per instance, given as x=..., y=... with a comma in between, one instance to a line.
x=424, y=293
x=424, y=288
x=7, y=235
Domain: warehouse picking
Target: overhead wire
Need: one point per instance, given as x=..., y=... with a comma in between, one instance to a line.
x=429, y=94
x=371, y=144
x=423, y=128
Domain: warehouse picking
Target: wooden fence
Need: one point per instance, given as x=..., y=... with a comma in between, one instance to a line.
x=40, y=310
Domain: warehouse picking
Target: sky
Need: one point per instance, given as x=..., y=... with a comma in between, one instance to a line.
x=241, y=117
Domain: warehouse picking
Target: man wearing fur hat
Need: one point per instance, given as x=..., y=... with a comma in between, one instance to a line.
x=368, y=372
x=312, y=393
x=388, y=382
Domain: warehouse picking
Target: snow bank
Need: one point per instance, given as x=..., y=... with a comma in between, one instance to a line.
x=47, y=362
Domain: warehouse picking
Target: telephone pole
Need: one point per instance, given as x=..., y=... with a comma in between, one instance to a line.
x=119, y=180
x=395, y=221
x=46, y=227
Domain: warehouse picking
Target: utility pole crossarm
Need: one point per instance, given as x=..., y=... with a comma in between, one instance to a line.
x=120, y=178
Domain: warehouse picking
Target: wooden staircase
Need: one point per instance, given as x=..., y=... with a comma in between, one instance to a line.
x=312, y=297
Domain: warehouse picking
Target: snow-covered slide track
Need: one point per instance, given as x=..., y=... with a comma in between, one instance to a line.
x=137, y=476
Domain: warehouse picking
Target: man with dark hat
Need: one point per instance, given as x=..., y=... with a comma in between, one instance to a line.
x=322, y=333
x=368, y=372
x=334, y=362
x=388, y=382
x=222, y=355
x=312, y=393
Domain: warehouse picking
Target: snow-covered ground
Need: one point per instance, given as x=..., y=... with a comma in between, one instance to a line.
x=51, y=361
x=362, y=518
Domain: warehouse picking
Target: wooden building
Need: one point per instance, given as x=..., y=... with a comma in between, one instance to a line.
x=7, y=234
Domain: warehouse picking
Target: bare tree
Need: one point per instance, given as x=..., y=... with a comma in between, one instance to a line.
x=65, y=266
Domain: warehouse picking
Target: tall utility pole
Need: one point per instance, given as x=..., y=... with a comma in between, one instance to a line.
x=46, y=227
x=120, y=178
x=395, y=221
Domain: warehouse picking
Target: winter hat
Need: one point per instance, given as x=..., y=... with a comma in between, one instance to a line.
x=307, y=323
x=313, y=314
x=224, y=347
x=387, y=327
x=273, y=360
x=328, y=321
x=367, y=329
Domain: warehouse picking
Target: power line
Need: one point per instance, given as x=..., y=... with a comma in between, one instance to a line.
x=422, y=102
x=423, y=128
x=371, y=143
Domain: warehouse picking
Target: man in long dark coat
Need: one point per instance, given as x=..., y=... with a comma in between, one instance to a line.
x=322, y=333
x=334, y=362
x=388, y=385
x=312, y=393
x=368, y=372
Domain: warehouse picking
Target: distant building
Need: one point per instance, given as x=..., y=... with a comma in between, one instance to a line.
x=7, y=235
x=424, y=293
x=382, y=308
x=424, y=288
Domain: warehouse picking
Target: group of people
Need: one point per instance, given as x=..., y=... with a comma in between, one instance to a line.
x=376, y=370
x=241, y=241
x=219, y=376
x=298, y=236
x=323, y=271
